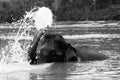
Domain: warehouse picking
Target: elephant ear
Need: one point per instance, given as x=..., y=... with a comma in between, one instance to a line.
x=71, y=54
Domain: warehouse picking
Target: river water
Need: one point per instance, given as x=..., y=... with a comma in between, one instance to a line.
x=105, y=37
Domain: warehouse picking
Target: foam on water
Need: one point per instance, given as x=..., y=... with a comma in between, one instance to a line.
x=17, y=67
x=14, y=57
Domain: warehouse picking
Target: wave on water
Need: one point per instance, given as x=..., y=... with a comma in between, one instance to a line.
x=14, y=37
x=84, y=36
x=88, y=24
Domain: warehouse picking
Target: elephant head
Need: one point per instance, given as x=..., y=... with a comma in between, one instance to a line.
x=53, y=48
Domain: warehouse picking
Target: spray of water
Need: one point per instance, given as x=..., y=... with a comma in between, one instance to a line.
x=39, y=18
x=42, y=17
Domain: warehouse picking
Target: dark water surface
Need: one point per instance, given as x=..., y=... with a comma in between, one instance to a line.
x=105, y=39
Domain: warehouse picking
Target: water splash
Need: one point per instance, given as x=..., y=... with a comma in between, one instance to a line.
x=42, y=18
x=39, y=18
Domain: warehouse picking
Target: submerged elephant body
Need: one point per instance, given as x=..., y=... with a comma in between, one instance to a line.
x=86, y=53
x=53, y=48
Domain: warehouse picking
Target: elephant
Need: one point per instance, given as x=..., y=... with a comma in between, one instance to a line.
x=54, y=48
x=48, y=47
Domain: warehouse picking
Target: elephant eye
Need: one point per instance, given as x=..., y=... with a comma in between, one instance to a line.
x=73, y=58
